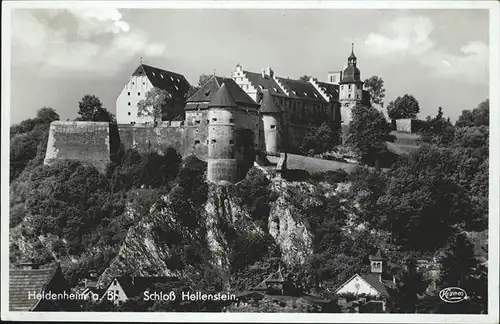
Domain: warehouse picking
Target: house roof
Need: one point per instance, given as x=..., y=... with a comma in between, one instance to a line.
x=176, y=84
x=351, y=75
x=377, y=256
x=301, y=89
x=207, y=91
x=133, y=286
x=25, y=281
x=332, y=90
x=275, y=277
x=264, y=83
x=231, y=95
x=371, y=279
x=268, y=104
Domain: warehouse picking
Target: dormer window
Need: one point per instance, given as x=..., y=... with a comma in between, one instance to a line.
x=153, y=73
x=161, y=75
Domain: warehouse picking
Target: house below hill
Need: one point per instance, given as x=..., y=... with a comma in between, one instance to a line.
x=34, y=289
x=368, y=287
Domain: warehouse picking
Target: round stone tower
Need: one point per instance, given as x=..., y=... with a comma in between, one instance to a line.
x=271, y=121
x=222, y=162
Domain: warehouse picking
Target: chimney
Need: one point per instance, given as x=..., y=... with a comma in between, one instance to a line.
x=270, y=72
x=263, y=73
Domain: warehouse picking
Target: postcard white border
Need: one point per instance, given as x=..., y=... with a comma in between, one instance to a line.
x=494, y=194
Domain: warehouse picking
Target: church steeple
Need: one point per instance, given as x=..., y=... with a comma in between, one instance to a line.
x=352, y=59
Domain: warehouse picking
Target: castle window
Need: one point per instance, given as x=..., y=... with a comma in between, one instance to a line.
x=196, y=142
x=131, y=123
x=231, y=120
x=273, y=126
x=207, y=141
x=133, y=82
x=231, y=141
x=129, y=93
x=213, y=141
x=197, y=121
x=208, y=121
x=138, y=93
x=357, y=96
x=349, y=87
x=129, y=113
x=129, y=103
x=214, y=119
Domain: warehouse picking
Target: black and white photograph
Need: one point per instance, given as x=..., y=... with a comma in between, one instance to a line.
x=228, y=161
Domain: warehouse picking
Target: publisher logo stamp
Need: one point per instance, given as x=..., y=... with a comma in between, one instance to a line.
x=452, y=295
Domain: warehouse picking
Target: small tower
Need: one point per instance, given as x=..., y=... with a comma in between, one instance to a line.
x=376, y=262
x=351, y=88
x=271, y=121
x=222, y=163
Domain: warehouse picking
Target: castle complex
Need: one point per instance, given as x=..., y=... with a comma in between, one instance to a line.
x=228, y=122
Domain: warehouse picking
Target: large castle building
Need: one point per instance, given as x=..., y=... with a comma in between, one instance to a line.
x=144, y=79
x=228, y=122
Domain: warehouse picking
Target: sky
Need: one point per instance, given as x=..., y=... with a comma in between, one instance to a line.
x=440, y=57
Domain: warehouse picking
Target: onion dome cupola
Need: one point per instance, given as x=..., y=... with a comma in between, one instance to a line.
x=351, y=72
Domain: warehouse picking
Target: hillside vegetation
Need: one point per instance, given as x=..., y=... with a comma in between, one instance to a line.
x=156, y=215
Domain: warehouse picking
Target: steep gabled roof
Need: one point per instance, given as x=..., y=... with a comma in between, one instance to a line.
x=268, y=104
x=301, y=89
x=207, y=91
x=176, y=84
x=264, y=83
x=223, y=99
x=231, y=95
x=377, y=256
x=373, y=280
x=133, y=286
x=332, y=90
x=23, y=282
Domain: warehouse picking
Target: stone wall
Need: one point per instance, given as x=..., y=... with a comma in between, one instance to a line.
x=185, y=140
x=407, y=125
x=82, y=141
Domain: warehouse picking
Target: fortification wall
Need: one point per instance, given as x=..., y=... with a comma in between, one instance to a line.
x=407, y=125
x=185, y=140
x=87, y=142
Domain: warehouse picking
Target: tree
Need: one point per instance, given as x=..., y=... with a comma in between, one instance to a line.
x=156, y=106
x=438, y=130
x=477, y=117
x=204, y=79
x=319, y=139
x=403, y=107
x=367, y=133
x=305, y=77
x=424, y=198
x=46, y=115
x=411, y=285
x=91, y=109
x=375, y=86
x=23, y=148
x=460, y=268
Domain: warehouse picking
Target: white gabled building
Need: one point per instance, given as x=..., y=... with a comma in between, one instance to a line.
x=145, y=78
